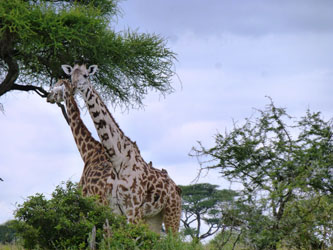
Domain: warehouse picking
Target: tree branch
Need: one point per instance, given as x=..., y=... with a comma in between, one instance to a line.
x=12, y=75
x=42, y=93
x=39, y=90
x=63, y=110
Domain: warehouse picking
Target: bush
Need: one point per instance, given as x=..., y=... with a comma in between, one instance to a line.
x=66, y=220
x=7, y=233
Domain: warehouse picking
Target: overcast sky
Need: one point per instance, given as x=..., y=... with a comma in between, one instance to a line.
x=231, y=54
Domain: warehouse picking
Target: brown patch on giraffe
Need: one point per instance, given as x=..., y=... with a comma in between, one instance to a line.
x=98, y=174
x=126, y=144
x=119, y=146
x=159, y=185
x=134, y=186
x=179, y=190
x=90, y=146
x=105, y=137
x=77, y=130
x=113, y=176
x=96, y=113
x=129, y=156
x=123, y=188
x=87, y=92
x=135, y=168
x=111, y=131
x=101, y=124
x=91, y=96
x=84, y=148
x=75, y=117
x=135, y=200
x=127, y=201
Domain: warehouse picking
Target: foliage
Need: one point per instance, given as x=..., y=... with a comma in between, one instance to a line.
x=37, y=36
x=172, y=242
x=204, y=203
x=226, y=240
x=315, y=219
x=63, y=221
x=283, y=164
x=7, y=233
x=130, y=236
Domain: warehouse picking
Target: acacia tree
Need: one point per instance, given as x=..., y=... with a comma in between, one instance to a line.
x=203, y=204
x=281, y=162
x=37, y=36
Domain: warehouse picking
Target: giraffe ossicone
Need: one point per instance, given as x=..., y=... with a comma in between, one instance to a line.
x=143, y=192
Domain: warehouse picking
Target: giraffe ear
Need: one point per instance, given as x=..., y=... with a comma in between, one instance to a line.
x=92, y=69
x=67, y=69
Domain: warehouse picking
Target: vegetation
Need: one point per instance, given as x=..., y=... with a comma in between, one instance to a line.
x=7, y=233
x=37, y=36
x=204, y=204
x=285, y=167
x=66, y=220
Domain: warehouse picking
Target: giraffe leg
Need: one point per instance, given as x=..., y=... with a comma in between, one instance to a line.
x=172, y=216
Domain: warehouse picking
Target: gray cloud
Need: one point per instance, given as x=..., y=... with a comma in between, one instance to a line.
x=251, y=18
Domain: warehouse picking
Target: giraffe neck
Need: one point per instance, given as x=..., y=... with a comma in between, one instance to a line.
x=85, y=143
x=118, y=146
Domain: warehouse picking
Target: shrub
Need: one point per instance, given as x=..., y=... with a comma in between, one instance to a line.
x=7, y=233
x=64, y=221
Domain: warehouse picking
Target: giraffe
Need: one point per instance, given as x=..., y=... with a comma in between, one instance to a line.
x=146, y=193
x=97, y=168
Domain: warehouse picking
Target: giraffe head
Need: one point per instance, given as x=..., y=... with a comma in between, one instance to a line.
x=56, y=94
x=80, y=75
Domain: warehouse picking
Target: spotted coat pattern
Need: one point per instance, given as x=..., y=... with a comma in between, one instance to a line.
x=98, y=170
x=143, y=192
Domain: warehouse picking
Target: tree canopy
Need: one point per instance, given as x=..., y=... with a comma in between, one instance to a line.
x=37, y=36
x=284, y=165
x=204, y=203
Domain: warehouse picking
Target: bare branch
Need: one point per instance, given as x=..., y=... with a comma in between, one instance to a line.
x=39, y=90
x=63, y=110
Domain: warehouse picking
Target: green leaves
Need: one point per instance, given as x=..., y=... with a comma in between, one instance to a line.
x=40, y=36
x=64, y=221
x=203, y=202
x=280, y=161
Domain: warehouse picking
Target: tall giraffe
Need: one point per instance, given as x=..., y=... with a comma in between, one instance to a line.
x=98, y=170
x=146, y=193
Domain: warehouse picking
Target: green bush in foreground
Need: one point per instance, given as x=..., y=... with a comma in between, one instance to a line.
x=66, y=220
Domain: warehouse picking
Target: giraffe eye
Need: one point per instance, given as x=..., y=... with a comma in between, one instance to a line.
x=85, y=76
